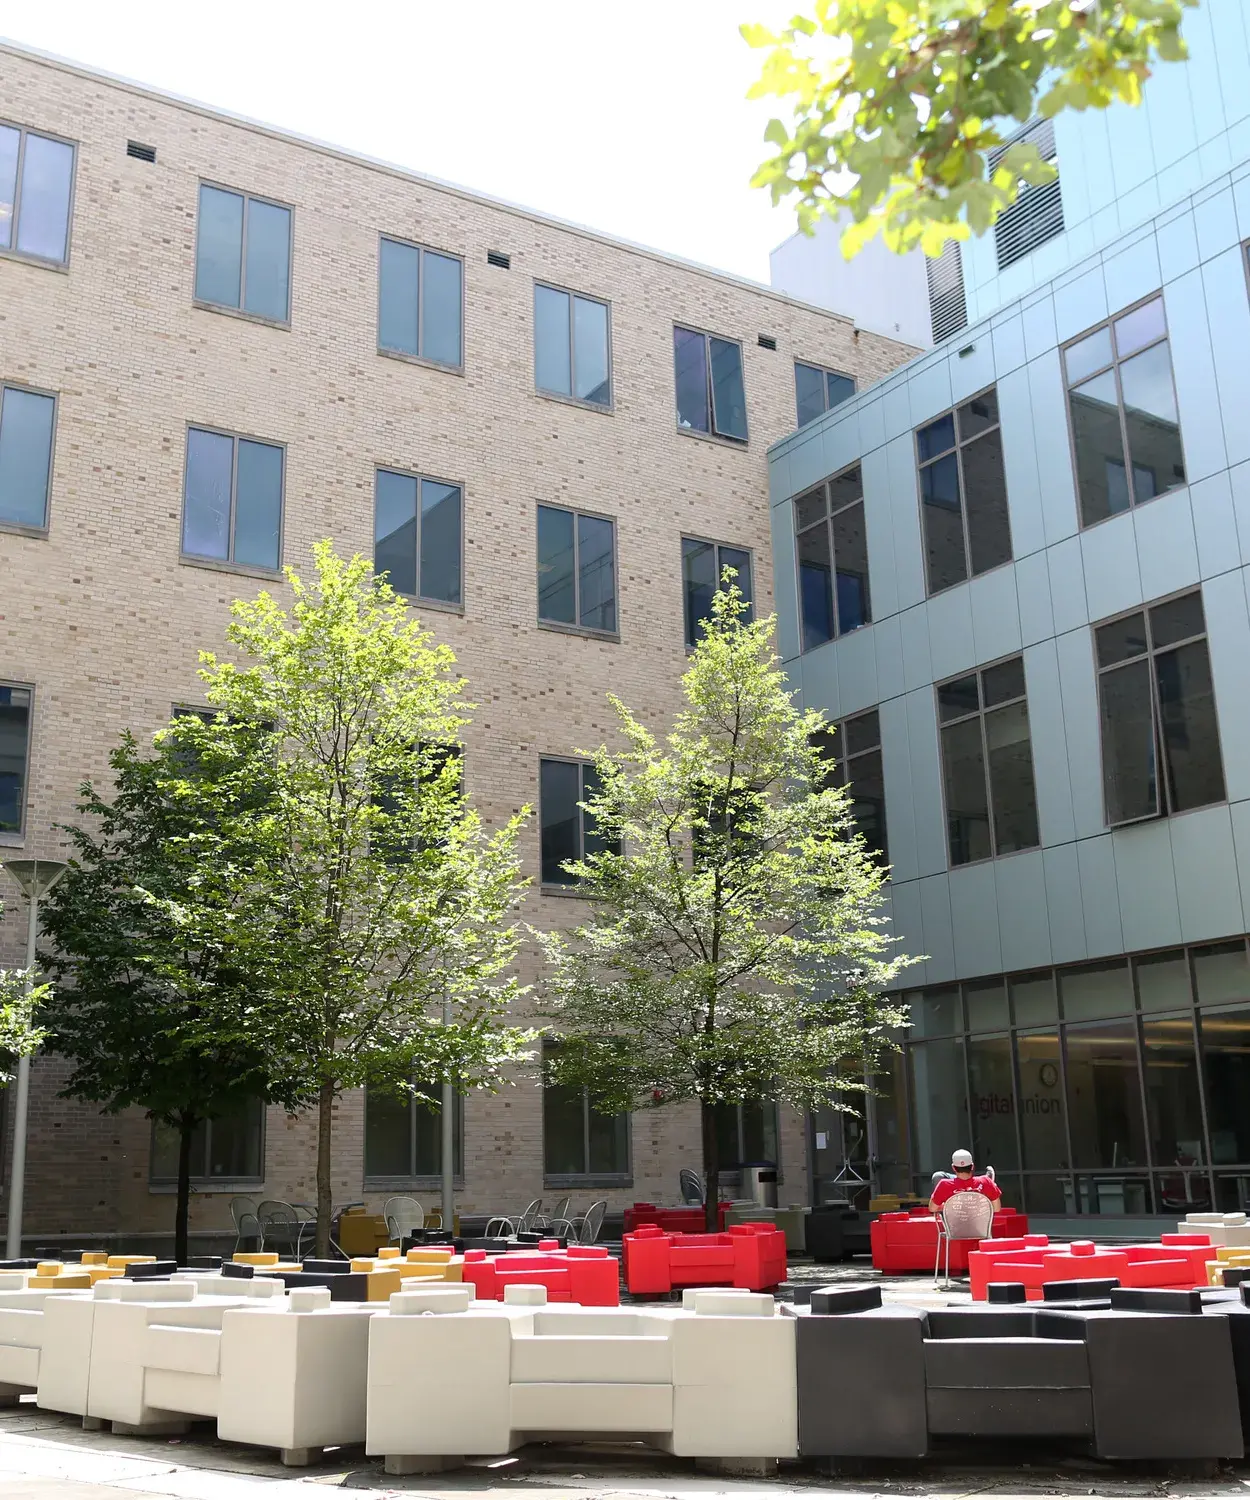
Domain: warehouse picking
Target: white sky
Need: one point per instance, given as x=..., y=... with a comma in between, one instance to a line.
x=628, y=117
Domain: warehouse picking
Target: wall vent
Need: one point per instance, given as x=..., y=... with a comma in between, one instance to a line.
x=140, y=153
x=948, y=312
x=498, y=258
x=1037, y=214
x=767, y=341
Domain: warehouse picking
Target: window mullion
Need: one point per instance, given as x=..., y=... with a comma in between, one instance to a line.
x=572, y=346
x=963, y=507
x=1123, y=420
x=711, y=385
x=989, y=786
x=577, y=571
x=247, y=214
x=1163, y=796
x=232, y=514
x=17, y=187
x=416, y=530
x=420, y=309
x=833, y=572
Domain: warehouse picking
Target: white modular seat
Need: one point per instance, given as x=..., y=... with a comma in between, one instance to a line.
x=22, y=1335
x=1223, y=1229
x=715, y=1379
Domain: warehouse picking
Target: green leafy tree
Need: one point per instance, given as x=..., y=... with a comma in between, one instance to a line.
x=146, y=1011
x=377, y=895
x=735, y=949
x=20, y=1035
x=895, y=103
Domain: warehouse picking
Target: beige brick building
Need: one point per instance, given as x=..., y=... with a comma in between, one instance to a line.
x=102, y=613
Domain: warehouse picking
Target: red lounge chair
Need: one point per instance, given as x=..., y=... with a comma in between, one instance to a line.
x=750, y=1256
x=672, y=1220
x=583, y=1273
x=1179, y=1262
x=903, y=1242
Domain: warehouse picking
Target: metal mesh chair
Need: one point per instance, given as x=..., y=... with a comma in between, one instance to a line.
x=558, y=1215
x=403, y=1215
x=280, y=1223
x=584, y=1228
x=246, y=1224
x=964, y=1216
x=515, y=1224
x=691, y=1185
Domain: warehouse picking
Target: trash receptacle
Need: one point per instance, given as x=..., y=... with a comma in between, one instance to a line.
x=759, y=1183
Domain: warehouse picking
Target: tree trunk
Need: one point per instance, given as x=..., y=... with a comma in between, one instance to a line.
x=186, y=1129
x=325, y=1104
x=711, y=1168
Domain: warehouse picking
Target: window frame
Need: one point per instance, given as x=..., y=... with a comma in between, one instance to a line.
x=402, y=354
x=564, y=888
x=158, y=1186
x=707, y=541
x=570, y=400
x=585, y=1179
x=1149, y=655
x=838, y=761
x=224, y=307
x=738, y=443
x=960, y=444
x=827, y=521
x=980, y=713
x=826, y=371
x=11, y=252
x=14, y=838
x=1127, y=452
x=19, y=528
x=228, y=565
x=421, y=478
x=421, y=1181
x=562, y=626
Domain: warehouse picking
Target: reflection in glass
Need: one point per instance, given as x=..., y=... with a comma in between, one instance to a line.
x=398, y=282
x=1175, y=1113
x=556, y=589
x=1154, y=434
x=816, y=586
x=219, y=247
x=985, y=488
x=698, y=569
x=943, y=523
x=559, y=794
x=690, y=363
x=850, y=549
x=1033, y=1001
x=552, y=349
x=1096, y=990
x=986, y=1000
x=1092, y=353
x=1221, y=974
x=26, y=420
x=939, y=1092
x=1129, y=768
x=440, y=541
x=441, y=308
x=935, y=1012
x=206, y=514
x=1011, y=778
x=729, y=406
x=967, y=808
x=809, y=389
x=596, y=574
x=14, y=740
x=1140, y=327
x=993, y=1102
x=47, y=175
x=1162, y=981
x=258, y=505
x=267, y=281
x=10, y=140
x=590, y=351
x=1191, y=737
x=1104, y=1094
x=1099, y=448
x=395, y=530
x=1226, y=1073
x=1043, y=1121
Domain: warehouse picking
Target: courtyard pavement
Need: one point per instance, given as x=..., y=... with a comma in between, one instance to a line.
x=45, y=1456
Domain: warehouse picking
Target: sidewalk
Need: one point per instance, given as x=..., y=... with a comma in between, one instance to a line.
x=47, y=1457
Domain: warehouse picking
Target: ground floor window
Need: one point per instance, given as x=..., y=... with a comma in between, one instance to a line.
x=404, y=1135
x=1121, y=1087
x=230, y=1148
x=745, y=1133
x=580, y=1141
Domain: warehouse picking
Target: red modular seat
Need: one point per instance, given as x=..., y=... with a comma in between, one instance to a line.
x=751, y=1256
x=583, y=1273
x=1179, y=1261
x=904, y=1242
x=688, y=1220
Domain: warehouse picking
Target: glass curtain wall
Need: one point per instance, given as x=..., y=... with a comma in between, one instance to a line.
x=1118, y=1087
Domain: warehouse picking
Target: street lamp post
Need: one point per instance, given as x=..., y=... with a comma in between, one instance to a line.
x=36, y=878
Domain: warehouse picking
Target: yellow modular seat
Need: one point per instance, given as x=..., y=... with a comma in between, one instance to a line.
x=52, y=1276
x=255, y=1257
x=95, y=1257
x=126, y=1260
x=100, y=1273
x=379, y=1285
x=389, y=1252
x=1232, y=1255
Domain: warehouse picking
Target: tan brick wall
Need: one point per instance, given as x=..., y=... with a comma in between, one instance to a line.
x=104, y=619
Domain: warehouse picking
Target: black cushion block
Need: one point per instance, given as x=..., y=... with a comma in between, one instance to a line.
x=345, y=1286
x=1005, y=1363
x=1156, y=1299
x=1236, y=1275
x=844, y=1299
x=1164, y=1386
x=1005, y=1291
x=799, y=1293
x=18, y=1265
x=151, y=1270
x=204, y=1262
x=1010, y=1413
x=861, y=1384
x=1072, y=1291
x=981, y=1322
x=238, y=1268
x=327, y=1267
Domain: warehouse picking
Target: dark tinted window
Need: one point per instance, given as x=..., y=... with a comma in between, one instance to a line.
x=711, y=396
x=576, y=569
x=26, y=423
x=963, y=493
x=417, y=535
x=702, y=566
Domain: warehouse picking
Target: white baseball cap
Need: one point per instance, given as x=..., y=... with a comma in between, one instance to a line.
x=961, y=1158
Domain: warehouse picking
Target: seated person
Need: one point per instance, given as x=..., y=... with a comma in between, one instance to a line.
x=965, y=1180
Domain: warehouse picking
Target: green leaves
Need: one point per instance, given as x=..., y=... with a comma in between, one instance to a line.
x=20, y=1036
x=894, y=106
x=736, y=947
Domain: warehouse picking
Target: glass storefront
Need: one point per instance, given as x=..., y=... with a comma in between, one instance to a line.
x=1118, y=1087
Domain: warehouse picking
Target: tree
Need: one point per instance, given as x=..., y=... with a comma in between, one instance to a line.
x=147, y=1012
x=735, y=949
x=377, y=895
x=20, y=1036
x=895, y=103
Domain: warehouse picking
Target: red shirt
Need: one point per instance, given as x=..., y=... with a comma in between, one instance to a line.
x=952, y=1185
